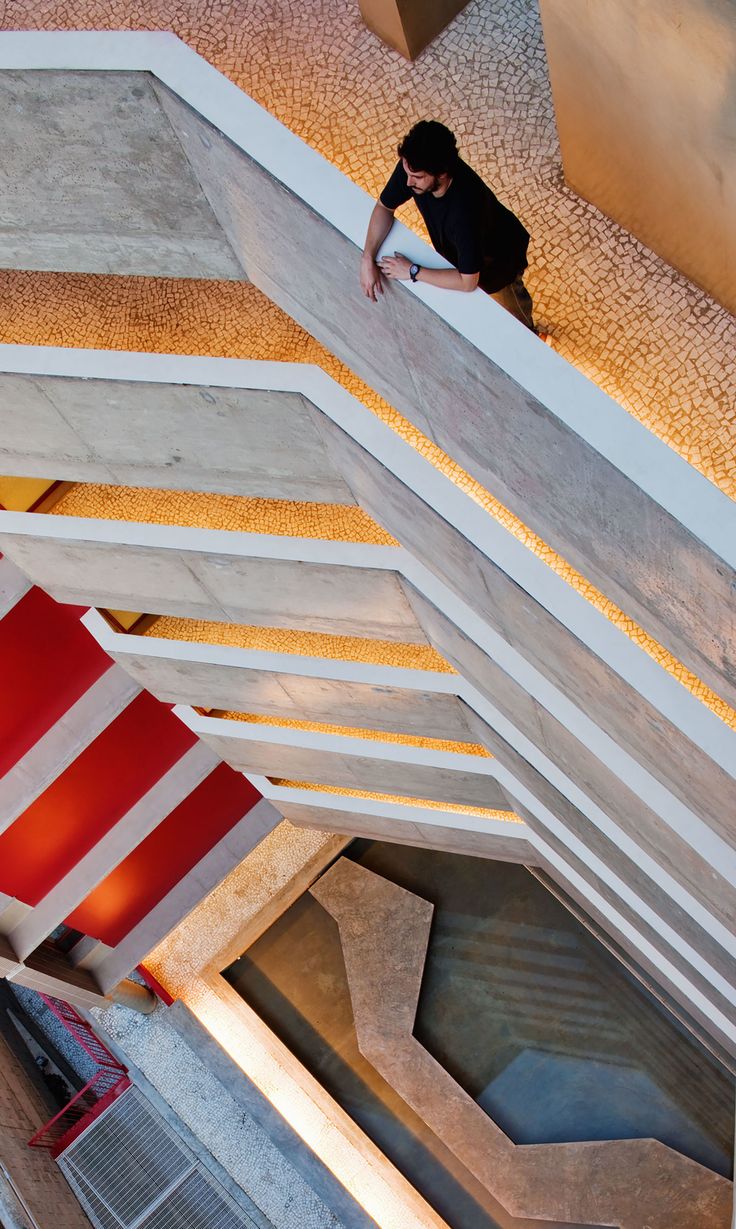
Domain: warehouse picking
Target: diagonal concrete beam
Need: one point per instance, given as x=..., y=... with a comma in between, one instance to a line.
x=55, y=750
x=248, y=442
x=171, y=789
x=593, y=510
x=114, y=195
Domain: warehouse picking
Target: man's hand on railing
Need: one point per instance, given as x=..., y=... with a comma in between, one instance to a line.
x=370, y=278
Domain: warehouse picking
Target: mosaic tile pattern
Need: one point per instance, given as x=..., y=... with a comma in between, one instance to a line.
x=219, y=921
x=303, y=644
x=431, y=804
x=649, y=337
x=281, y=517
x=219, y=1122
x=230, y=320
x=379, y=736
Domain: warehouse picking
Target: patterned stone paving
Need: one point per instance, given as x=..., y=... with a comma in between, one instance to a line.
x=642, y=331
x=399, y=799
x=379, y=736
x=236, y=513
x=654, y=341
x=299, y=643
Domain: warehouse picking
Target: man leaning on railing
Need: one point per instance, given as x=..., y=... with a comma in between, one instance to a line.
x=483, y=240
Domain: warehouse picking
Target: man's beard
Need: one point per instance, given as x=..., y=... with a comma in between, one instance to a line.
x=431, y=187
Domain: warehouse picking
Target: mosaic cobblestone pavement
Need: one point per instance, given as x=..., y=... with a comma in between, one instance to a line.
x=235, y=320
x=641, y=330
x=655, y=342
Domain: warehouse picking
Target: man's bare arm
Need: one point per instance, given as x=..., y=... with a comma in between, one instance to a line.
x=382, y=219
x=396, y=268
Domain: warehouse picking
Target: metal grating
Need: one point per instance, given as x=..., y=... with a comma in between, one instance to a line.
x=196, y=1204
x=131, y=1171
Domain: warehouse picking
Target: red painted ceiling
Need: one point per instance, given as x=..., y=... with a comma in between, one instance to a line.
x=165, y=857
x=90, y=796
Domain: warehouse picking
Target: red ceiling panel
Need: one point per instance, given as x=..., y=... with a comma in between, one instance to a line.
x=48, y=661
x=90, y=796
x=178, y=843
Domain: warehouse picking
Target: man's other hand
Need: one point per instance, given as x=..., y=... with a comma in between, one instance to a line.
x=370, y=279
x=395, y=267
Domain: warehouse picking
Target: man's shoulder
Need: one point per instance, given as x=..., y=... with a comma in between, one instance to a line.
x=470, y=183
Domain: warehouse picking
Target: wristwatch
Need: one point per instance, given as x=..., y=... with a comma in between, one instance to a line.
x=414, y=271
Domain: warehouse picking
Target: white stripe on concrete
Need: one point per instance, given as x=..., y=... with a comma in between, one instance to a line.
x=576, y=401
x=64, y=741
x=177, y=538
x=13, y=586
x=121, y=646
x=316, y=740
x=187, y=893
x=171, y=789
x=411, y=811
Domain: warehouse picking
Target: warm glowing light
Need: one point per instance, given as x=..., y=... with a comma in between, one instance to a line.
x=353, y=1159
x=20, y=494
x=299, y=643
x=381, y=736
x=399, y=799
x=204, y=510
x=235, y=320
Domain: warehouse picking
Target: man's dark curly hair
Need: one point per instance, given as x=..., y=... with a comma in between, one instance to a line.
x=430, y=147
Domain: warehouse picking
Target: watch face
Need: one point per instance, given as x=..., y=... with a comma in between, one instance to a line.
x=413, y=271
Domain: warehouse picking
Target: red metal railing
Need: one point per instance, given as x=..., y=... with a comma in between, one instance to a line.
x=107, y=1083
x=82, y=1032
x=105, y=1086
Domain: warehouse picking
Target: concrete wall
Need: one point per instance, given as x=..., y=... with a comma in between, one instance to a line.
x=368, y=771
x=499, y=840
x=96, y=182
x=293, y=695
x=597, y=518
x=120, y=575
x=409, y=25
x=645, y=97
x=235, y=441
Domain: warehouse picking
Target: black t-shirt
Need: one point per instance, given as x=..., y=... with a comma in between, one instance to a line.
x=468, y=226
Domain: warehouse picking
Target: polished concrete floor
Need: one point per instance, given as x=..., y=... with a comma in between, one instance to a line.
x=532, y=1017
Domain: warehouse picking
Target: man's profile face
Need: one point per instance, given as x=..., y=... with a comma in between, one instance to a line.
x=420, y=181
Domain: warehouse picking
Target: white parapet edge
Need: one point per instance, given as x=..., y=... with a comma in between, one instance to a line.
x=498, y=544
x=340, y=744
x=594, y=416
x=689, y=827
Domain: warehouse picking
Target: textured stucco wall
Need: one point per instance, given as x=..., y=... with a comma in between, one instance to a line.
x=645, y=96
